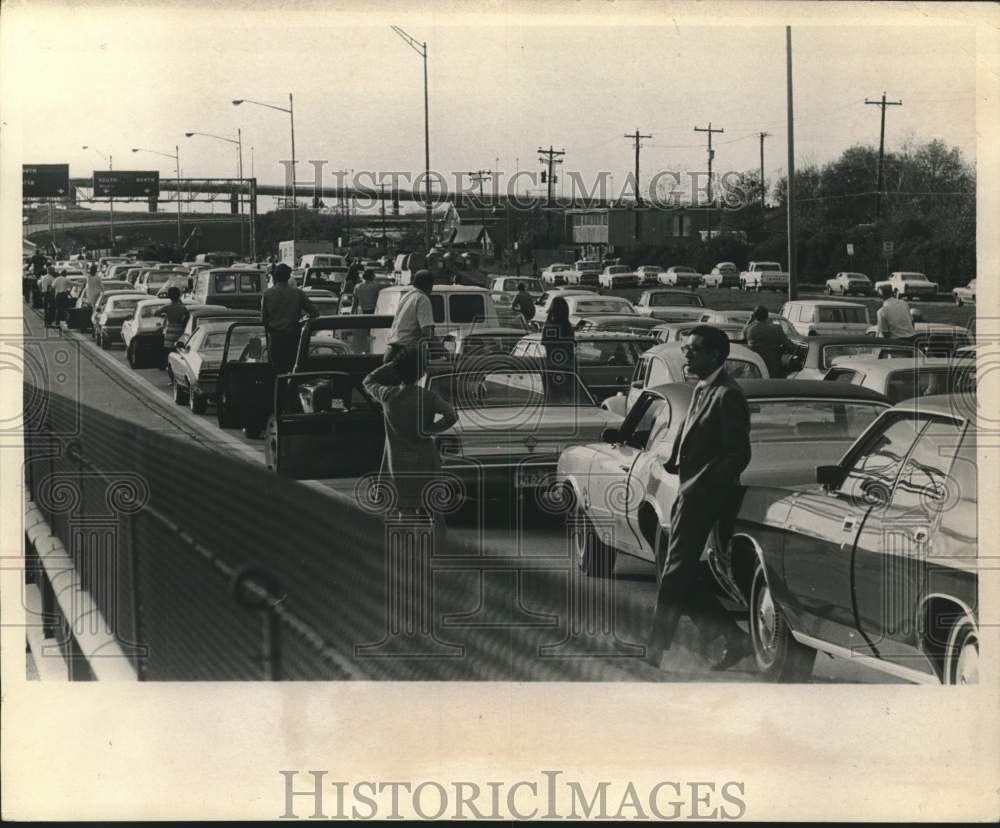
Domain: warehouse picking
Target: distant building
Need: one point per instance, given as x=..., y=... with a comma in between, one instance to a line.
x=600, y=231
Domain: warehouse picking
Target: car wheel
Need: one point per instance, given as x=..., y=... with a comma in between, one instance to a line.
x=594, y=558
x=180, y=394
x=958, y=301
x=778, y=655
x=962, y=655
x=196, y=402
x=271, y=444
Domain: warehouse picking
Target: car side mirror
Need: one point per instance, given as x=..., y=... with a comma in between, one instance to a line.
x=830, y=477
x=611, y=435
x=637, y=385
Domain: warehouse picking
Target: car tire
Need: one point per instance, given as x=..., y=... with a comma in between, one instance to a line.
x=829, y=291
x=961, y=657
x=594, y=558
x=104, y=342
x=196, y=402
x=958, y=301
x=130, y=355
x=778, y=655
x=180, y=394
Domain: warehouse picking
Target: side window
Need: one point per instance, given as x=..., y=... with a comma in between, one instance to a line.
x=466, y=308
x=225, y=283
x=638, y=425
x=872, y=472
x=249, y=283
x=923, y=484
x=437, y=306
x=841, y=375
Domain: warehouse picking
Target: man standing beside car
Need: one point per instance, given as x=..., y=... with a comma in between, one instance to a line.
x=414, y=321
x=767, y=341
x=281, y=310
x=894, y=321
x=366, y=293
x=523, y=303
x=711, y=450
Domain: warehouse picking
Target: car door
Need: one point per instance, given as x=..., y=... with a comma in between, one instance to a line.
x=823, y=525
x=896, y=541
x=648, y=479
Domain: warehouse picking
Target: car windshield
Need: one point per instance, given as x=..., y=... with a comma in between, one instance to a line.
x=589, y=266
x=923, y=382
x=511, y=389
x=122, y=306
x=832, y=352
x=683, y=269
x=618, y=269
x=660, y=300
x=791, y=421
x=840, y=314
x=158, y=278
x=914, y=277
x=857, y=277
x=609, y=351
x=216, y=340
x=609, y=304
x=152, y=310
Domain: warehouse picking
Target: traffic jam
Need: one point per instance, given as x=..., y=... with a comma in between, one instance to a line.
x=861, y=485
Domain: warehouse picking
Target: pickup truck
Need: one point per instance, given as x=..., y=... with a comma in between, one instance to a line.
x=764, y=276
x=909, y=285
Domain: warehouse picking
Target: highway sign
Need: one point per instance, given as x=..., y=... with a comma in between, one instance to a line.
x=44, y=180
x=887, y=248
x=126, y=183
x=850, y=249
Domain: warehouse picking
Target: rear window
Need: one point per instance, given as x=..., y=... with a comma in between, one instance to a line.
x=465, y=308
x=603, y=306
x=921, y=382
x=849, y=315
x=225, y=283
x=741, y=369
x=249, y=283
x=793, y=420
x=604, y=353
x=659, y=300
x=832, y=352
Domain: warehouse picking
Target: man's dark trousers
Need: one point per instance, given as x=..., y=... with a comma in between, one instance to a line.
x=283, y=347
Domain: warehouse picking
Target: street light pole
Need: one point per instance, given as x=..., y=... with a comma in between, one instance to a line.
x=239, y=172
x=291, y=116
x=421, y=49
x=177, y=161
x=111, y=199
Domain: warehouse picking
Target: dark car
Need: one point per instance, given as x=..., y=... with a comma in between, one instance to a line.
x=876, y=561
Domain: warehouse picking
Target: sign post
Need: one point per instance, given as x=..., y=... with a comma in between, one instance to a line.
x=850, y=254
x=887, y=248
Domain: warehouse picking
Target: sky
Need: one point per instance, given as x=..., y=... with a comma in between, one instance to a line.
x=501, y=85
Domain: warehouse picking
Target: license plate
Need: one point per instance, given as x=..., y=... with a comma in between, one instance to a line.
x=530, y=478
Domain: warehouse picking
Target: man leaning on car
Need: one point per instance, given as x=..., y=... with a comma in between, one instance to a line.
x=711, y=450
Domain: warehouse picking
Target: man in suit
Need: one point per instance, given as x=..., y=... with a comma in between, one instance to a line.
x=710, y=451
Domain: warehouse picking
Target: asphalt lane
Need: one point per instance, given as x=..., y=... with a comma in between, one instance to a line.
x=491, y=529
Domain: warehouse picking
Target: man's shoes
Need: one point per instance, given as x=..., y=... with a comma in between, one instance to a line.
x=735, y=651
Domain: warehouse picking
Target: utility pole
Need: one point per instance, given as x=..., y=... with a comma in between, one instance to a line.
x=385, y=243
x=552, y=158
x=763, y=135
x=638, y=196
x=711, y=156
x=478, y=177
x=793, y=289
x=880, y=186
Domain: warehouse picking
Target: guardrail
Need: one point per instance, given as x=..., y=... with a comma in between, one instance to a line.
x=204, y=567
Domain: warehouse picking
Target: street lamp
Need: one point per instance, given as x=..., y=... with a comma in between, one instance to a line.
x=239, y=172
x=291, y=117
x=177, y=161
x=421, y=49
x=111, y=199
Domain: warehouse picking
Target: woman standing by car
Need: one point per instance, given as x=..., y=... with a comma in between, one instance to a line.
x=175, y=317
x=557, y=337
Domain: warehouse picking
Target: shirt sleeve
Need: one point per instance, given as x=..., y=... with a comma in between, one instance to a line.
x=379, y=383
x=263, y=310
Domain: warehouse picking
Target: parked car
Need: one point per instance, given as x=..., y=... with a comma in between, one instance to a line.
x=666, y=363
x=109, y=320
x=679, y=331
x=103, y=299
x=875, y=562
x=764, y=276
x=231, y=287
x=847, y=282
x=514, y=420
x=909, y=285
x=584, y=272
x=141, y=333
x=627, y=322
x=649, y=274
x=326, y=277
x=904, y=379
x=961, y=295
x=936, y=339
x=821, y=351
x=723, y=275
x=193, y=366
x=619, y=487
x=670, y=305
x=504, y=288
x=199, y=314
x=813, y=317
x=618, y=276
x=480, y=341
x=680, y=276
x=582, y=305
x=605, y=360
x=555, y=274
x=455, y=308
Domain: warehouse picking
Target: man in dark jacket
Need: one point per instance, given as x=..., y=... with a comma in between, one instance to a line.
x=523, y=303
x=710, y=451
x=768, y=341
x=281, y=310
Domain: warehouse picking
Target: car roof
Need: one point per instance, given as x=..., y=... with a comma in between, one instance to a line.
x=644, y=321
x=600, y=336
x=735, y=350
x=783, y=388
x=826, y=302
x=856, y=339
x=887, y=366
x=439, y=289
x=937, y=404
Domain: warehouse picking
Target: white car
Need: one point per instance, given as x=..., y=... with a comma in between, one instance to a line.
x=909, y=285
x=649, y=274
x=618, y=276
x=671, y=305
x=764, y=276
x=555, y=274
x=904, y=379
x=680, y=276
x=723, y=275
x=825, y=317
x=504, y=288
x=587, y=304
x=847, y=282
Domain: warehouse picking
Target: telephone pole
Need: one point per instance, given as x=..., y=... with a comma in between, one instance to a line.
x=381, y=201
x=638, y=196
x=553, y=157
x=763, y=135
x=711, y=156
x=880, y=186
x=478, y=177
